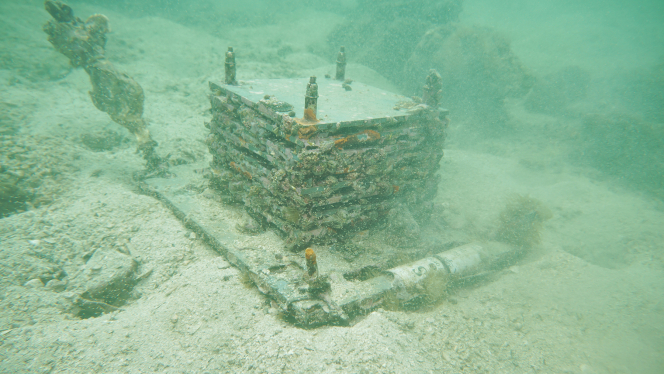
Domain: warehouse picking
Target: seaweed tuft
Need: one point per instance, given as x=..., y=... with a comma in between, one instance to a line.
x=521, y=221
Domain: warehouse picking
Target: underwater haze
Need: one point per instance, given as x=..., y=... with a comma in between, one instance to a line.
x=555, y=148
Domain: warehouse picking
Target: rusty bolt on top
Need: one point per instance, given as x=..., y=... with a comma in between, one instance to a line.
x=433, y=89
x=229, y=67
x=312, y=266
x=341, y=64
x=311, y=100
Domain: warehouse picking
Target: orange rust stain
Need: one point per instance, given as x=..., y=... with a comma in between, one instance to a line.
x=339, y=143
x=312, y=266
x=237, y=168
x=310, y=255
x=309, y=118
x=373, y=135
x=309, y=115
x=362, y=137
x=306, y=131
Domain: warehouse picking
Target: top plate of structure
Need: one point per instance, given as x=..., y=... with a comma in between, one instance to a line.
x=335, y=104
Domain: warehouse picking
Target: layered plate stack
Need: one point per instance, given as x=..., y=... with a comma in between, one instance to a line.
x=319, y=180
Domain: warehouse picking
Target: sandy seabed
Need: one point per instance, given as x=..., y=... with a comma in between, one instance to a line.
x=553, y=313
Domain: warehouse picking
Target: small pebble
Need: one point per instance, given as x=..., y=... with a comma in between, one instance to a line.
x=585, y=368
x=192, y=235
x=34, y=283
x=56, y=285
x=446, y=356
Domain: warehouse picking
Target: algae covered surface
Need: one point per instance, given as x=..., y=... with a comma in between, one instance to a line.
x=554, y=145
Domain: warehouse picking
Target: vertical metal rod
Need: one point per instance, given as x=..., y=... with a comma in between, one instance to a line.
x=311, y=100
x=229, y=66
x=341, y=64
x=433, y=89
